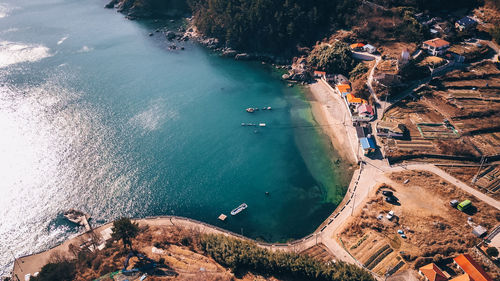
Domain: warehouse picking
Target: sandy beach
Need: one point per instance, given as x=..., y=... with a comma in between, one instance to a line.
x=330, y=113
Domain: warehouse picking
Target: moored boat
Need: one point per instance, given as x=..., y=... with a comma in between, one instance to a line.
x=238, y=209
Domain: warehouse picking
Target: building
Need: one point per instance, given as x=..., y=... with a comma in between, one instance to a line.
x=365, y=110
x=404, y=58
x=369, y=48
x=360, y=132
x=351, y=99
x=432, y=272
x=479, y=231
x=470, y=268
x=357, y=46
x=368, y=145
x=319, y=74
x=387, y=79
x=465, y=23
x=436, y=46
x=390, y=129
x=344, y=89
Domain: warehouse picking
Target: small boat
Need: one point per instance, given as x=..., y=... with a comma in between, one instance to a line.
x=269, y=108
x=262, y=124
x=243, y=124
x=239, y=209
x=250, y=110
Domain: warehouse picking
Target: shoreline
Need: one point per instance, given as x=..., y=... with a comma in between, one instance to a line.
x=333, y=126
x=317, y=97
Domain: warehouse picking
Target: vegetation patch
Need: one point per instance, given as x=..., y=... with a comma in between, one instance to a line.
x=243, y=256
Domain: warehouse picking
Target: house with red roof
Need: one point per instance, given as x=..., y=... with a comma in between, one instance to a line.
x=472, y=270
x=432, y=272
x=436, y=46
x=365, y=110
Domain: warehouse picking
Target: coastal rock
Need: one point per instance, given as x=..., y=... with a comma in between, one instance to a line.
x=111, y=4
x=211, y=43
x=150, y=8
x=170, y=35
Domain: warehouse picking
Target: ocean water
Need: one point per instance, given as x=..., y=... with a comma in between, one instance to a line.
x=98, y=116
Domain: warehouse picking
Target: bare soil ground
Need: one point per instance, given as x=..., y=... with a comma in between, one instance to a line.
x=488, y=180
x=433, y=228
x=319, y=252
x=393, y=49
x=469, y=100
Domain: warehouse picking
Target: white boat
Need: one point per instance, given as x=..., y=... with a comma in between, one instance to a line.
x=262, y=124
x=238, y=209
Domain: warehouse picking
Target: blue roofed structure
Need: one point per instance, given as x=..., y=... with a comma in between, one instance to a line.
x=368, y=145
x=465, y=23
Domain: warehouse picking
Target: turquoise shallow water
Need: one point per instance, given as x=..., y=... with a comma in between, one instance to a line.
x=98, y=116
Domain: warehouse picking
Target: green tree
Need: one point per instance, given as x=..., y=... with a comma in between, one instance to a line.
x=269, y=25
x=495, y=34
x=492, y=252
x=123, y=229
x=358, y=71
x=336, y=58
x=59, y=271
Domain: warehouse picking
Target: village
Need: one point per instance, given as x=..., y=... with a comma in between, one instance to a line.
x=445, y=114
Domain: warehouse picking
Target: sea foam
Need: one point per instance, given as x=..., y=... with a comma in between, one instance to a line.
x=15, y=52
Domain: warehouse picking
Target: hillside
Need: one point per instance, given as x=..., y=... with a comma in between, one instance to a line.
x=178, y=253
x=291, y=27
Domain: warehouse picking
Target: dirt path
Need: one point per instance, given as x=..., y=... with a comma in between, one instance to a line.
x=433, y=169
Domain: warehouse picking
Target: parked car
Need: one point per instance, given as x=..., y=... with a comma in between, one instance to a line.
x=400, y=231
x=390, y=215
x=390, y=199
x=387, y=193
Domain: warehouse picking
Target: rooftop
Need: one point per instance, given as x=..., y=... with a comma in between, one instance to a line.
x=357, y=45
x=437, y=43
x=466, y=21
x=472, y=268
x=433, y=272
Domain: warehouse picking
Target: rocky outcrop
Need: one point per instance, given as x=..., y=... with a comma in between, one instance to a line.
x=150, y=8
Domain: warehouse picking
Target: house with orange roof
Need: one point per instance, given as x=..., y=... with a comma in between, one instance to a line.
x=344, y=89
x=319, y=74
x=432, y=272
x=351, y=99
x=470, y=268
x=357, y=46
x=463, y=277
x=436, y=46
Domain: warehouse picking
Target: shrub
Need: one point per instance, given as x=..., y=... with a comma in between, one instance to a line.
x=60, y=271
x=492, y=252
x=336, y=58
x=495, y=34
x=243, y=256
x=358, y=71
